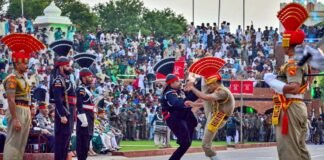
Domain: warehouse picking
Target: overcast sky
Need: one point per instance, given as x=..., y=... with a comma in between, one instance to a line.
x=261, y=12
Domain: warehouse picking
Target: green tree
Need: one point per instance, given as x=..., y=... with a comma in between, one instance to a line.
x=32, y=8
x=2, y=3
x=130, y=16
x=62, y=3
x=164, y=22
x=80, y=15
x=124, y=15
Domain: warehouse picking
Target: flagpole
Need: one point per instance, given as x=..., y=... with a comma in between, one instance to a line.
x=241, y=124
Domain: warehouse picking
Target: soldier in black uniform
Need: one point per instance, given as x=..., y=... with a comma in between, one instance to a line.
x=179, y=117
x=85, y=105
x=63, y=93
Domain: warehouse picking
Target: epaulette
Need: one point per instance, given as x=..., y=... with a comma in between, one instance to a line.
x=10, y=76
x=81, y=90
x=168, y=92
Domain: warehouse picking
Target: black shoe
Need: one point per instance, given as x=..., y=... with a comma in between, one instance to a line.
x=104, y=151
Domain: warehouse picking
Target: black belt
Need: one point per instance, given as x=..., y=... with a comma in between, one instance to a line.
x=22, y=103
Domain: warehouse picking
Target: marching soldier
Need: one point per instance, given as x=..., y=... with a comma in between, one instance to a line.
x=63, y=93
x=18, y=94
x=85, y=105
x=180, y=119
x=218, y=100
x=290, y=112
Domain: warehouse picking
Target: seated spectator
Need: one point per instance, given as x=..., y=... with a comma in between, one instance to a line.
x=36, y=128
x=104, y=131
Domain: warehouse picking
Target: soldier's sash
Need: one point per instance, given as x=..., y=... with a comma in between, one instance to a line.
x=280, y=102
x=216, y=120
x=276, y=109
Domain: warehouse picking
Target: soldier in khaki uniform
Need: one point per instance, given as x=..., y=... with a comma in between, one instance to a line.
x=218, y=100
x=290, y=112
x=18, y=94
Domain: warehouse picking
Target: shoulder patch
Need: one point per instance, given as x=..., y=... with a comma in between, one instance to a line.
x=11, y=83
x=292, y=70
x=57, y=83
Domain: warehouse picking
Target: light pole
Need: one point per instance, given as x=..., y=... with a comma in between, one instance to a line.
x=22, y=8
x=243, y=16
x=219, y=8
x=193, y=11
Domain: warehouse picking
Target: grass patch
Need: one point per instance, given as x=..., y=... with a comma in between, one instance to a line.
x=149, y=145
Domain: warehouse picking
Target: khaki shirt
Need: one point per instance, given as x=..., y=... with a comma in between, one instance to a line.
x=292, y=73
x=225, y=102
x=18, y=85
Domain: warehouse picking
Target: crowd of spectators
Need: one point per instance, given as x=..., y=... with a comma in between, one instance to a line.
x=131, y=110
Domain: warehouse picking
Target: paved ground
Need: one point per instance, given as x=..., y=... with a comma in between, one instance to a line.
x=266, y=153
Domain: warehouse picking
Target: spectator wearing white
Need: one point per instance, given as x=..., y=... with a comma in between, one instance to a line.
x=102, y=38
x=91, y=51
x=130, y=88
x=50, y=34
x=252, y=78
x=259, y=57
x=100, y=89
x=141, y=78
x=159, y=90
x=258, y=36
x=273, y=61
x=158, y=57
x=130, y=52
x=229, y=60
x=122, y=100
x=99, y=57
x=219, y=53
x=33, y=61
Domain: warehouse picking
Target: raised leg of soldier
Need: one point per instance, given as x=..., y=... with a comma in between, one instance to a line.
x=16, y=141
x=293, y=145
x=181, y=131
x=208, y=140
x=207, y=143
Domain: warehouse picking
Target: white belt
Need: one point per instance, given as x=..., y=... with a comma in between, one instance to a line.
x=88, y=106
x=298, y=96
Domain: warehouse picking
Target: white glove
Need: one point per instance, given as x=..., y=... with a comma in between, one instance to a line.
x=269, y=77
x=83, y=118
x=317, y=60
x=275, y=84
